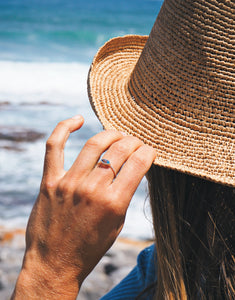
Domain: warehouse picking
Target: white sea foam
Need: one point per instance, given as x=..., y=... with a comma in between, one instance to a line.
x=37, y=82
x=63, y=83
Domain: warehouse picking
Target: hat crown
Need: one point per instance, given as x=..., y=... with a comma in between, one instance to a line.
x=187, y=65
x=205, y=28
x=175, y=90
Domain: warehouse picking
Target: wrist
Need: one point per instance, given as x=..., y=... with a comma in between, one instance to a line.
x=38, y=280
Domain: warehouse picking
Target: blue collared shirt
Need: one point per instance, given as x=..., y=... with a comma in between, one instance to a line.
x=142, y=278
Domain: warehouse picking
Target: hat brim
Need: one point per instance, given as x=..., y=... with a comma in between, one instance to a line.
x=179, y=146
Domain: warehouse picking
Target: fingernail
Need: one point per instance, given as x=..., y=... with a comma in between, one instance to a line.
x=77, y=117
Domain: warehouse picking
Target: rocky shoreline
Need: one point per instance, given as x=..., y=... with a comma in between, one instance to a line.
x=114, y=266
x=15, y=139
x=12, y=137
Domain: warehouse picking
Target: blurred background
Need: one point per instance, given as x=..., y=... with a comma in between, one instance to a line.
x=46, y=48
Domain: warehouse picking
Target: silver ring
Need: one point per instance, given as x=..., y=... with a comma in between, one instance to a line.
x=107, y=163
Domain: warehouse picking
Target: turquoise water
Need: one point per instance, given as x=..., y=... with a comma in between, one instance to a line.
x=46, y=48
x=67, y=30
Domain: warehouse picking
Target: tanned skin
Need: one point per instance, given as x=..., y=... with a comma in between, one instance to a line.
x=80, y=212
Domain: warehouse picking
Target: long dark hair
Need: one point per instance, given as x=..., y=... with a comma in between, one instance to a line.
x=194, y=222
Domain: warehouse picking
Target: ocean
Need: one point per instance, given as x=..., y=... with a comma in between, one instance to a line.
x=46, y=48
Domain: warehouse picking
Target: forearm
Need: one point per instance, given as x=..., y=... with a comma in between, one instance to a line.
x=38, y=281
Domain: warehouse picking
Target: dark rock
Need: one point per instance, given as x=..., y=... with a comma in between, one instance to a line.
x=19, y=134
x=47, y=103
x=109, y=268
x=11, y=148
x=109, y=254
x=4, y=103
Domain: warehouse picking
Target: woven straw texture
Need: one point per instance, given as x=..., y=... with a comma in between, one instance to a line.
x=176, y=89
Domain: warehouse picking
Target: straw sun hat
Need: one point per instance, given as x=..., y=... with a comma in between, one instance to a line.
x=175, y=90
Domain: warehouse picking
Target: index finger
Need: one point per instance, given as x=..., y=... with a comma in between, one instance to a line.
x=54, y=157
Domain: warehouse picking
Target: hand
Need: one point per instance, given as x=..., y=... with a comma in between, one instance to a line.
x=79, y=213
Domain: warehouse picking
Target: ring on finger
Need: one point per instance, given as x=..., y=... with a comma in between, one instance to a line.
x=106, y=162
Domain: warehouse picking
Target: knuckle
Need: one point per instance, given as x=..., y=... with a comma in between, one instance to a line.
x=48, y=184
x=150, y=151
x=148, y=148
x=62, y=124
x=88, y=191
x=97, y=140
x=139, y=160
x=92, y=143
x=124, y=145
x=134, y=139
x=120, y=148
x=50, y=143
x=62, y=127
x=113, y=132
x=56, y=138
x=64, y=188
